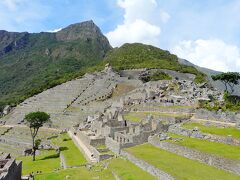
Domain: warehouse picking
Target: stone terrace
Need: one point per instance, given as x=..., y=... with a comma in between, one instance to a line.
x=65, y=103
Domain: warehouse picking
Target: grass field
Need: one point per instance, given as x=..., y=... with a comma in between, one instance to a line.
x=178, y=166
x=76, y=174
x=124, y=169
x=127, y=170
x=46, y=162
x=235, y=133
x=219, y=149
x=72, y=154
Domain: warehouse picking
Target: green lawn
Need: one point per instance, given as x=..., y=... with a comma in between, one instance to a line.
x=214, y=130
x=133, y=117
x=46, y=162
x=219, y=149
x=72, y=154
x=127, y=170
x=76, y=174
x=178, y=166
x=124, y=169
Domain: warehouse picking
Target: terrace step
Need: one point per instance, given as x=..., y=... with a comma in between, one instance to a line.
x=150, y=169
x=212, y=160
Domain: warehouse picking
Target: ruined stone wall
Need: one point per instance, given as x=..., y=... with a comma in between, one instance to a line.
x=150, y=107
x=216, y=115
x=14, y=171
x=88, y=141
x=100, y=156
x=114, y=146
x=84, y=138
x=203, y=136
x=109, y=131
x=96, y=142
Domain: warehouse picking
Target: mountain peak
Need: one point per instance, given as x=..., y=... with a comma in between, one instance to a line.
x=84, y=30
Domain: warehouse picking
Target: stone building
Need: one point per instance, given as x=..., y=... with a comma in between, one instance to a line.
x=6, y=110
x=10, y=169
x=112, y=131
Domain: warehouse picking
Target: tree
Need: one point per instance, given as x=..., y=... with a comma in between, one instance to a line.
x=229, y=79
x=34, y=121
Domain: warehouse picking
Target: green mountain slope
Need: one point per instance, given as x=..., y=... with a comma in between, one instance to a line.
x=30, y=63
x=134, y=56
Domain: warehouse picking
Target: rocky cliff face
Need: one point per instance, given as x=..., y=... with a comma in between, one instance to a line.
x=10, y=41
x=84, y=31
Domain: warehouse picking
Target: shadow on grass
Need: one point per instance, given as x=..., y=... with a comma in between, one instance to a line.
x=63, y=148
x=53, y=156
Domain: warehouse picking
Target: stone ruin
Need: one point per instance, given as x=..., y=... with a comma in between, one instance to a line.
x=6, y=110
x=111, y=130
x=10, y=169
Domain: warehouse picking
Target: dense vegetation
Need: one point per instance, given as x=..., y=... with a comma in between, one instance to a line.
x=231, y=103
x=156, y=76
x=44, y=61
x=229, y=79
x=135, y=56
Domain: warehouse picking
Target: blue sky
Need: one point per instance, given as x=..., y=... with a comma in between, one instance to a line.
x=206, y=32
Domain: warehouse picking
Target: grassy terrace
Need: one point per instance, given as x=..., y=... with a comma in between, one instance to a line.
x=138, y=116
x=76, y=174
x=127, y=170
x=219, y=149
x=235, y=133
x=71, y=153
x=46, y=162
x=49, y=160
x=121, y=167
x=178, y=166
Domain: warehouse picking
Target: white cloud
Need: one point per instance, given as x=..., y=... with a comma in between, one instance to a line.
x=13, y=4
x=55, y=30
x=21, y=15
x=142, y=20
x=214, y=54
